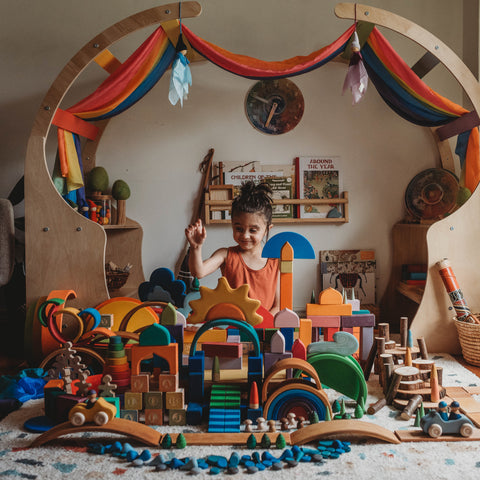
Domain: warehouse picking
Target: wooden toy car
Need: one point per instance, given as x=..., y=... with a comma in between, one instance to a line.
x=101, y=413
x=434, y=425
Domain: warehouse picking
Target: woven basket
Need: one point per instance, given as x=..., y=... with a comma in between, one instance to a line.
x=469, y=337
x=116, y=280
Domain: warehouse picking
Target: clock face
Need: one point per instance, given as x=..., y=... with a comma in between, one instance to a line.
x=274, y=106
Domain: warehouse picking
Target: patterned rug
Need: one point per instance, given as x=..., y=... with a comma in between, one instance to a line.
x=367, y=459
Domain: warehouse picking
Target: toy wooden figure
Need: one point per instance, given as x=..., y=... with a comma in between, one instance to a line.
x=443, y=410
x=454, y=408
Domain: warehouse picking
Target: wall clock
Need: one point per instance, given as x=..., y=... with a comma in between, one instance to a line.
x=274, y=106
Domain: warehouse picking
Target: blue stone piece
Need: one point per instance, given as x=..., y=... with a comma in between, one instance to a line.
x=317, y=458
x=244, y=459
x=215, y=470
x=161, y=467
x=117, y=446
x=277, y=466
x=145, y=455
x=195, y=471
x=156, y=461
x=305, y=459
x=326, y=443
x=138, y=462
x=131, y=455
x=291, y=462
x=256, y=457
x=267, y=463
x=287, y=453
x=335, y=455
x=309, y=451
x=126, y=447
x=202, y=464
x=261, y=467
x=252, y=469
x=266, y=455
x=337, y=444
x=233, y=470
x=175, y=463
x=234, y=460
x=249, y=463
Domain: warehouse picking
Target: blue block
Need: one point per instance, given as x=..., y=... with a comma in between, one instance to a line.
x=288, y=333
x=194, y=413
x=254, y=413
x=197, y=362
x=195, y=387
x=115, y=401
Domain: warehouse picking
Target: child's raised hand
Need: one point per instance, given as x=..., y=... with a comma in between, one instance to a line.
x=196, y=234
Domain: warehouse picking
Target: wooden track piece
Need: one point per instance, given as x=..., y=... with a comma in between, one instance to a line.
x=337, y=428
x=138, y=431
x=420, y=436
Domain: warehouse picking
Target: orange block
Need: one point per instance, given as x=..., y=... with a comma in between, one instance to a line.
x=314, y=309
x=330, y=296
x=305, y=331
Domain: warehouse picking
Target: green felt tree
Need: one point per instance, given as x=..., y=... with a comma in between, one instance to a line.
x=335, y=406
x=313, y=417
x=251, y=441
x=181, y=441
x=358, y=411
x=280, y=442
x=266, y=442
x=167, y=441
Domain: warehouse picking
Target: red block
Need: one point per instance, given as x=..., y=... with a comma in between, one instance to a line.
x=222, y=349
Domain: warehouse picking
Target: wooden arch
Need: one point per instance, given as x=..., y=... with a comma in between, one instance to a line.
x=456, y=236
x=63, y=248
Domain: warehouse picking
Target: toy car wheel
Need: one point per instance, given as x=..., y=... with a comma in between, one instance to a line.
x=466, y=430
x=100, y=418
x=77, y=419
x=435, y=430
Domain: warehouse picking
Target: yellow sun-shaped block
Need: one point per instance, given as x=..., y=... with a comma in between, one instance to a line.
x=224, y=293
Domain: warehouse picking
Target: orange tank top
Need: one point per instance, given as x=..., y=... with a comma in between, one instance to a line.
x=262, y=283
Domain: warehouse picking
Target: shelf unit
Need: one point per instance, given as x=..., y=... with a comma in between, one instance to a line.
x=220, y=205
x=409, y=246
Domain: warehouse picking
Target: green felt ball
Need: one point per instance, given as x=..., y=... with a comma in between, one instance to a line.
x=463, y=195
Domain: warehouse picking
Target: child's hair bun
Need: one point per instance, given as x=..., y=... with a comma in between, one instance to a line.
x=254, y=199
x=261, y=191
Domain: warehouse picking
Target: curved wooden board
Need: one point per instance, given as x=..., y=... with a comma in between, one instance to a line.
x=336, y=428
x=138, y=431
x=455, y=236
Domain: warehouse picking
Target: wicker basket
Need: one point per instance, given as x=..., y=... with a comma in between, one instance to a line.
x=469, y=337
x=115, y=279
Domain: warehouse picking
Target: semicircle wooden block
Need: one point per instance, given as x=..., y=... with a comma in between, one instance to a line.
x=286, y=364
x=138, y=431
x=225, y=310
x=330, y=296
x=335, y=428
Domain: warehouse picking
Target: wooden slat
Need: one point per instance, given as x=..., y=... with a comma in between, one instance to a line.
x=461, y=124
x=425, y=64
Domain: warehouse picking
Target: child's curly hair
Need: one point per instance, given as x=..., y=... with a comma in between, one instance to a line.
x=254, y=199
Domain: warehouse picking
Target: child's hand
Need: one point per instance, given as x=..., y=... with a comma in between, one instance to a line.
x=196, y=234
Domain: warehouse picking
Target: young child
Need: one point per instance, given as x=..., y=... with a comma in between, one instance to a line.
x=243, y=263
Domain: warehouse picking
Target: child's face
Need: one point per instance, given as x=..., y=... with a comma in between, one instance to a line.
x=249, y=230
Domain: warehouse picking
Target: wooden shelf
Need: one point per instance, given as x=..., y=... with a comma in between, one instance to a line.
x=219, y=205
x=126, y=226
x=413, y=292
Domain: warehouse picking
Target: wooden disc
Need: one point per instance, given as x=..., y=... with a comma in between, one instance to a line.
x=408, y=373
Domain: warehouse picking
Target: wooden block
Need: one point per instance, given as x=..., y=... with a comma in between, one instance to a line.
x=167, y=382
x=277, y=344
x=223, y=349
x=133, y=401
x=286, y=318
x=140, y=383
x=225, y=363
x=177, y=417
x=305, y=331
x=458, y=393
x=314, y=309
x=153, y=416
x=475, y=418
x=214, y=335
x=175, y=400
x=320, y=321
x=365, y=320
x=106, y=320
x=330, y=296
x=131, y=415
x=153, y=400
x=271, y=358
x=472, y=390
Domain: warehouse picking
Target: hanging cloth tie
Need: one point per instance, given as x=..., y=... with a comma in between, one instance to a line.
x=357, y=76
x=181, y=77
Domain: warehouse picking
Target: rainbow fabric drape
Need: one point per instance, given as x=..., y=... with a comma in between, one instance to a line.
x=398, y=85
x=412, y=99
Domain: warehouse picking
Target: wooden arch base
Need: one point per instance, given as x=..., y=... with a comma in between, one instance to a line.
x=135, y=430
x=456, y=236
x=336, y=428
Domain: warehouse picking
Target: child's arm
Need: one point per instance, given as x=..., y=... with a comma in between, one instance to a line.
x=196, y=235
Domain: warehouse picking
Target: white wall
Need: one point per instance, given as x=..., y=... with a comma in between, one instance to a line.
x=157, y=148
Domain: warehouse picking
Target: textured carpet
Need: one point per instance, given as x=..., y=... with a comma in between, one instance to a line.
x=68, y=457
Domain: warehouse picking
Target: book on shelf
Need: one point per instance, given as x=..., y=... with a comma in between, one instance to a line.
x=317, y=177
x=282, y=187
x=350, y=269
